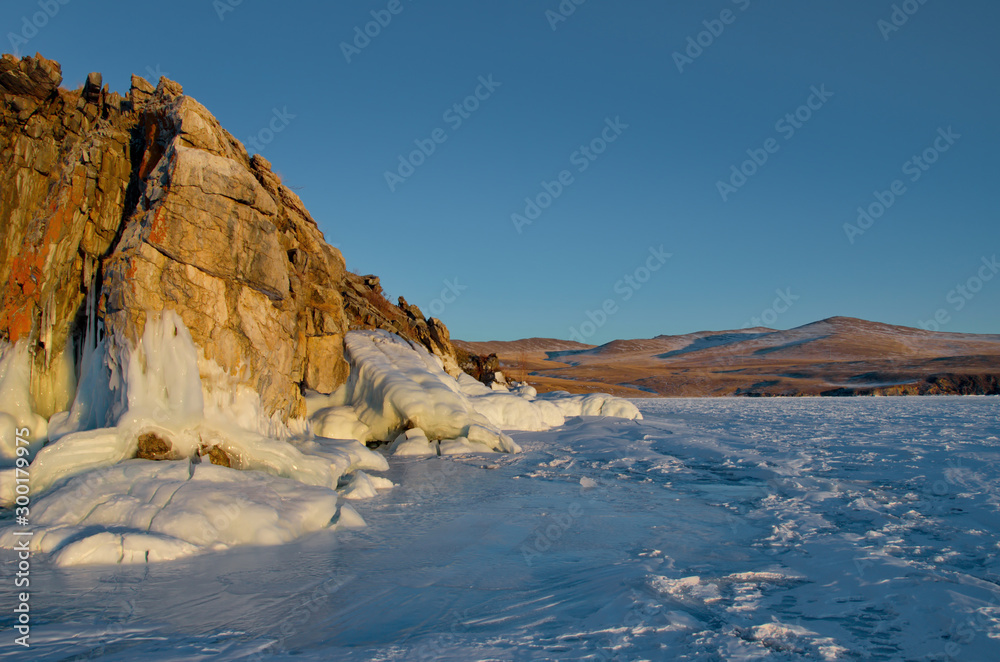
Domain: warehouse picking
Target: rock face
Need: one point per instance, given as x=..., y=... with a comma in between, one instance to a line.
x=483, y=367
x=146, y=204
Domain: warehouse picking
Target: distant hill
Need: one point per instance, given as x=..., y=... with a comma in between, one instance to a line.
x=510, y=347
x=835, y=356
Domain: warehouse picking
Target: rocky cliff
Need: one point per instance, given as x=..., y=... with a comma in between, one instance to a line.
x=145, y=203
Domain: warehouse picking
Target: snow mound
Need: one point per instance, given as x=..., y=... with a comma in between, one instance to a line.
x=349, y=518
x=461, y=446
x=413, y=442
x=311, y=463
x=340, y=423
x=343, y=455
x=396, y=385
x=363, y=486
x=140, y=511
x=523, y=409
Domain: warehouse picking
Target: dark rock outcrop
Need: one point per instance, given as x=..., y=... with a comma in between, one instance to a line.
x=945, y=384
x=147, y=204
x=215, y=455
x=151, y=446
x=483, y=367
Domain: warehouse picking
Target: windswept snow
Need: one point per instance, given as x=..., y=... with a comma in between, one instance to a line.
x=141, y=511
x=802, y=529
x=288, y=477
x=523, y=409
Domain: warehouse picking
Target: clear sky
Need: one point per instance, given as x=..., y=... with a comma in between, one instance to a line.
x=670, y=119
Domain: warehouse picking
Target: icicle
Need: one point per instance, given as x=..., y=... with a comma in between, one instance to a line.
x=90, y=335
x=48, y=323
x=163, y=379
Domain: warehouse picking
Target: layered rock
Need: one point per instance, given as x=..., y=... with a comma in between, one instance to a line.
x=147, y=204
x=65, y=171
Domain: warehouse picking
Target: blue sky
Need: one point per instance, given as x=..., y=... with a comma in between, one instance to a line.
x=445, y=238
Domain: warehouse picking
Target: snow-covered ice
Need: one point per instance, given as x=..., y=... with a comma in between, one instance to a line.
x=140, y=511
x=396, y=385
x=288, y=478
x=797, y=529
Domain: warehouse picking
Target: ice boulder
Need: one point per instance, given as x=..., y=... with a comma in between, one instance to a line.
x=362, y=486
x=413, y=442
x=396, y=385
x=339, y=423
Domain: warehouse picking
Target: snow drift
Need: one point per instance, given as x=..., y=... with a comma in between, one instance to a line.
x=396, y=385
x=158, y=511
x=92, y=502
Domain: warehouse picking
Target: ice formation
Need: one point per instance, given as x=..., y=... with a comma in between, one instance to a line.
x=16, y=412
x=396, y=385
x=139, y=510
x=93, y=503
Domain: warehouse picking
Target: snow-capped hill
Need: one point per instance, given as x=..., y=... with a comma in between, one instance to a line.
x=530, y=345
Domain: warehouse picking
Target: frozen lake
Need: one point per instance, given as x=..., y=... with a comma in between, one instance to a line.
x=736, y=529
